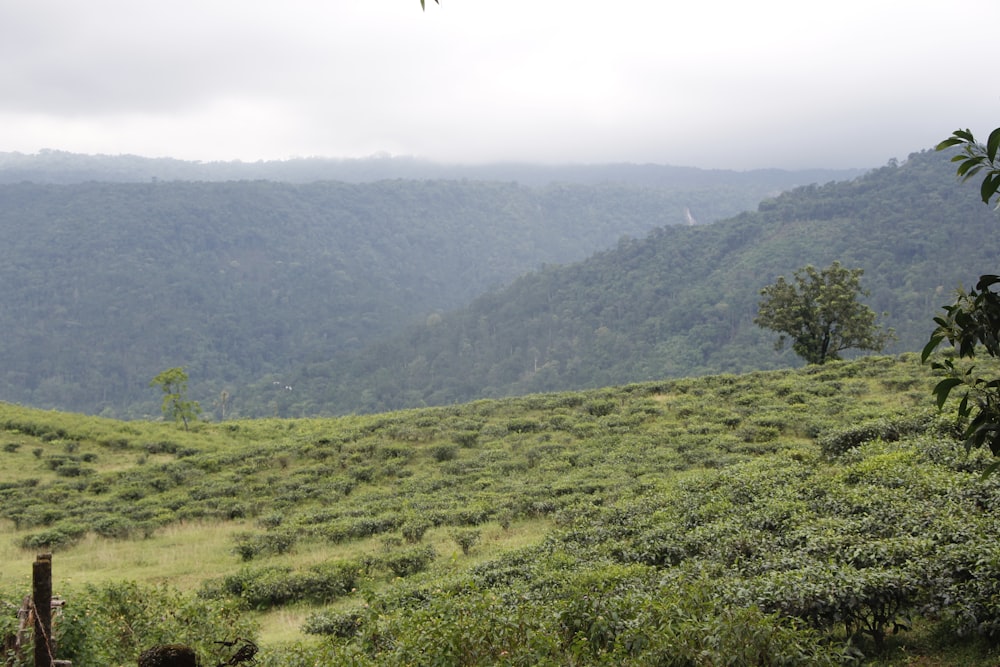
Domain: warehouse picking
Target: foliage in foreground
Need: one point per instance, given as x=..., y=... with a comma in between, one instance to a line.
x=774, y=561
x=973, y=319
x=794, y=517
x=111, y=625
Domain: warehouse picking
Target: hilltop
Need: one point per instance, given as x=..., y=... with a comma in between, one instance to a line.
x=62, y=167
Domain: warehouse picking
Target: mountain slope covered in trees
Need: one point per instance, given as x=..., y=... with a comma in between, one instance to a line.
x=106, y=284
x=681, y=301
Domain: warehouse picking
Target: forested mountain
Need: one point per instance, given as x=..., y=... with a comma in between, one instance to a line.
x=680, y=301
x=106, y=284
x=51, y=166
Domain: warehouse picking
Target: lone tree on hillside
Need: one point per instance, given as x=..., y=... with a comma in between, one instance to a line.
x=173, y=382
x=820, y=312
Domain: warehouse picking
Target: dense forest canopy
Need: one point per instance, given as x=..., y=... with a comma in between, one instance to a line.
x=330, y=297
x=682, y=300
x=106, y=284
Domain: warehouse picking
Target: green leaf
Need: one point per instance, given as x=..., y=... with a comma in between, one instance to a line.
x=931, y=346
x=992, y=144
x=989, y=187
x=948, y=143
x=991, y=468
x=944, y=388
x=968, y=164
x=963, y=406
x=966, y=173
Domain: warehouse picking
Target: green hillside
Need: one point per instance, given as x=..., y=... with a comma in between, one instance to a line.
x=106, y=284
x=681, y=301
x=809, y=516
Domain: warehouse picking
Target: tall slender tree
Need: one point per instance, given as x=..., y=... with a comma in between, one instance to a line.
x=176, y=405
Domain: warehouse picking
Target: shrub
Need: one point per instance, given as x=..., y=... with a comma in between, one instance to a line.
x=331, y=624
x=465, y=538
x=267, y=587
x=161, y=447
x=363, y=474
x=413, y=529
x=868, y=601
x=523, y=425
x=966, y=590
x=840, y=441
x=465, y=438
x=409, y=561
x=272, y=520
x=250, y=545
x=600, y=408
x=62, y=535
x=472, y=628
x=442, y=453
x=72, y=469
x=115, y=527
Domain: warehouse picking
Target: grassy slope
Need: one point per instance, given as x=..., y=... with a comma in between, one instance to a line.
x=173, y=504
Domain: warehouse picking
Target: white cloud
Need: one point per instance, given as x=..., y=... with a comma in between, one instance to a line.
x=712, y=84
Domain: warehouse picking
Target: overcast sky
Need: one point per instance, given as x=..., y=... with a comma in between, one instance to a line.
x=707, y=83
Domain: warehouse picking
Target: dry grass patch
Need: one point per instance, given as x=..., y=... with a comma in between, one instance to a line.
x=182, y=555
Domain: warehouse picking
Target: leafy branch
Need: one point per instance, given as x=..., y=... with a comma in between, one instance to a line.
x=974, y=158
x=974, y=318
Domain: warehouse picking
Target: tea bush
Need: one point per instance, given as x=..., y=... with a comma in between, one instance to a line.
x=890, y=429
x=60, y=536
x=465, y=538
x=870, y=601
x=250, y=545
x=334, y=624
x=413, y=529
x=406, y=562
x=274, y=586
x=696, y=522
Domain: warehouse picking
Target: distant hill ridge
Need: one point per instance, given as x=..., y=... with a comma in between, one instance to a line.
x=51, y=166
x=681, y=301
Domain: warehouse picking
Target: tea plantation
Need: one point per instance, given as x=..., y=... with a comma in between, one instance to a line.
x=824, y=516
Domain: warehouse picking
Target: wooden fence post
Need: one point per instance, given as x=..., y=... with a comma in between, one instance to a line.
x=41, y=606
x=41, y=595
